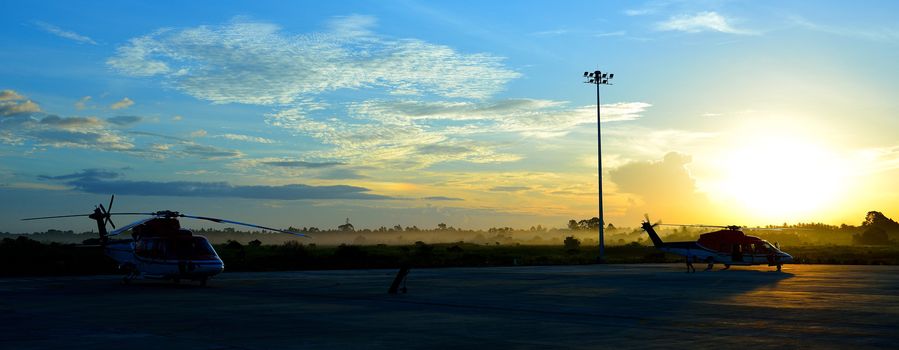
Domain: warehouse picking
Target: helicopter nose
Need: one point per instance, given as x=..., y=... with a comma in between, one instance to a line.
x=787, y=258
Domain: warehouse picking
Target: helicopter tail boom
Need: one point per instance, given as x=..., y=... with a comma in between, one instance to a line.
x=650, y=229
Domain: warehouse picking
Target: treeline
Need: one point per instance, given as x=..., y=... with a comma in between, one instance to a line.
x=875, y=229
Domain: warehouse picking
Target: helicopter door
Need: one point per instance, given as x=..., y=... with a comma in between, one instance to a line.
x=737, y=255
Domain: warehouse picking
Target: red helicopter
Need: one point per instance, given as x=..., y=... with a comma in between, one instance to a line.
x=159, y=247
x=728, y=246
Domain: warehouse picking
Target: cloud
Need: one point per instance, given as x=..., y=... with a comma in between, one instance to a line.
x=247, y=138
x=209, y=152
x=21, y=126
x=526, y=116
x=124, y=103
x=550, y=33
x=52, y=29
x=442, y=198
x=124, y=120
x=340, y=174
x=82, y=103
x=664, y=188
x=23, y=121
x=700, y=22
x=300, y=164
x=509, y=188
x=871, y=34
x=12, y=103
x=257, y=63
x=608, y=34
x=101, y=182
x=10, y=95
x=198, y=133
x=85, y=173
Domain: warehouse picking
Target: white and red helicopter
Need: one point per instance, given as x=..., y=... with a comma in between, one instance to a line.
x=728, y=246
x=159, y=247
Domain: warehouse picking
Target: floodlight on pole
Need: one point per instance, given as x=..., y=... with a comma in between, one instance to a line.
x=599, y=78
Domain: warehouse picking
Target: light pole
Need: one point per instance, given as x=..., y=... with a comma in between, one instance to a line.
x=599, y=78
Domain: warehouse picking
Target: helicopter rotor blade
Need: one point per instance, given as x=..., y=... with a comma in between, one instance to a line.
x=108, y=215
x=56, y=217
x=129, y=226
x=241, y=223
x=696, y=225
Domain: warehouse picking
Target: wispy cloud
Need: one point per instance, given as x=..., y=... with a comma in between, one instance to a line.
x=700, y=22
x=52, y=29
x=124, y=120
x=550, y=33
x=246, y=138
x=442, y=198
x=104, y=182
x=257, y=63
x=882, y=34
x=608, y=34
x=509, y=188
x=300, y=164
x=81, y=104
x=122, y=104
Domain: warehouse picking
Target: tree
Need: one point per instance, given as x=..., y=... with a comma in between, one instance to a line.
x=572, y=225
x=441, y=226
x=571, y=243
x=254, y=243
x=872, y=236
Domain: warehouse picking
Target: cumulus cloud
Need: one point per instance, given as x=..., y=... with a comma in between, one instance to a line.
x=10, y=95
x=104, y=182
x=12, y=103
x=67, y=34
x=26, y=125
x=664, y=188
x=700, y=22
x=23, y=121
x=124, y=103
x=255, y=62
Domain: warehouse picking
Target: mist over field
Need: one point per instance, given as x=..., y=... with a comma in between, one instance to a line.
x=876, y=229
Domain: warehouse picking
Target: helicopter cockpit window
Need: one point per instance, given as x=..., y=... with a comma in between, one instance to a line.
x=202, y=249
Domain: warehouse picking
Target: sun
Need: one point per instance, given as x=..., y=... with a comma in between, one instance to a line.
x=779, y=177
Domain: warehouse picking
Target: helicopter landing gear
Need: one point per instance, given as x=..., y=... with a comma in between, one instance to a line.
x=130, y=273
x=711, y=262
x=779, y=267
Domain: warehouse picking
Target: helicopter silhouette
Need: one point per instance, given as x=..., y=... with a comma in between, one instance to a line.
x=729, y=246
x=159, y=247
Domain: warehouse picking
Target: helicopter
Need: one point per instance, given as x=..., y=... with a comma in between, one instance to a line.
x=159, y=247
x=728, y=246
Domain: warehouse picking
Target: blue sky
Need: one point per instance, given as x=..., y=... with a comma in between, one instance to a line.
x=468, y=113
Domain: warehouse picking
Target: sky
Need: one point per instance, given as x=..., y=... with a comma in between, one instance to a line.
x=470, y=113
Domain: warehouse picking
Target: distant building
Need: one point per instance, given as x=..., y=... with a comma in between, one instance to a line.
x=348, y=227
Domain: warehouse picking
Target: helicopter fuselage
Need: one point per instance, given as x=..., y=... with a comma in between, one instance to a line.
x=157, y=259
x=728, y=247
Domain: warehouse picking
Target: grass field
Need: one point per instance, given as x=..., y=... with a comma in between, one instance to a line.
x=27, y=257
